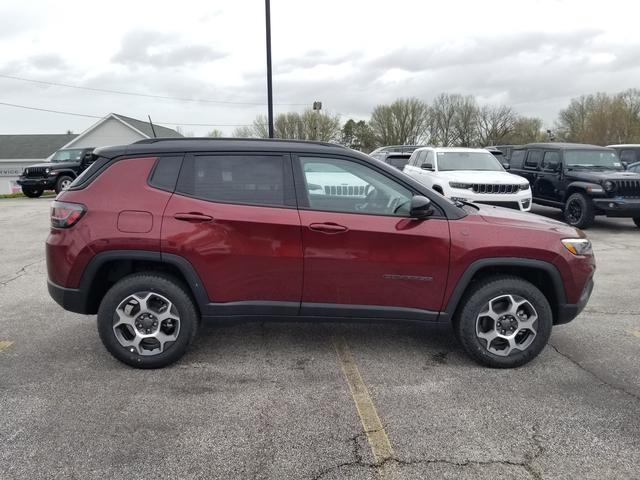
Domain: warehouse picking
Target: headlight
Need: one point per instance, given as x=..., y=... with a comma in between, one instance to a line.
x=459, y=185
x=46, y=170
x=609, y=186
x=578, y=246
x=524, y=186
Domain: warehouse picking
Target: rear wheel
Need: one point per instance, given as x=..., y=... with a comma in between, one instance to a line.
x=578, y=211
x=32, y=192
x=637, y=221
x=63, y=183
x=504, y=322
x=147, y=320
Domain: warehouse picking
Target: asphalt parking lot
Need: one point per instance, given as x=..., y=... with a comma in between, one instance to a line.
x=271, y=400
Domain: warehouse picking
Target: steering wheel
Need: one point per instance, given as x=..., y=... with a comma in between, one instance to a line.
x=402, y=204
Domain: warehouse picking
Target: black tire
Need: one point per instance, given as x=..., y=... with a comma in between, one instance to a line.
x=578, y=211
x=637, y=221
x=32, y=192
x=159, y=284
x=63, y=182
x=475, y=302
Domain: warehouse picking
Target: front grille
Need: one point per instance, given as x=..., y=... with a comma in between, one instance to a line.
x=513, y=205
x=493, y=188
x=628, y=188
x=34, y=172
x=345, y=190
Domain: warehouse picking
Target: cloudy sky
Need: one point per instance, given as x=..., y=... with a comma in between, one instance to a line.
x=350, y=54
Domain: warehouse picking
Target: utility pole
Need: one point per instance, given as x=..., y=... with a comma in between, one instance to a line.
x=317, y=106
x=267, y=6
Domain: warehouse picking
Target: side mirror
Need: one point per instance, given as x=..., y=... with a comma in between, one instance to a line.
x=426, y=166
x=506, y=165
x=625, y=164
x=420, y=207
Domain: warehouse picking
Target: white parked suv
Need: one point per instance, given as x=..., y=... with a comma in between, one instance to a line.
x=469, y=175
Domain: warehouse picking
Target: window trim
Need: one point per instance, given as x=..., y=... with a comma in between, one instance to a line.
x=290, y=201
x=303, y=198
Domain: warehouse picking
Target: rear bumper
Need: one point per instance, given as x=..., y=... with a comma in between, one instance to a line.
x=569, y=311
x=618, y=207
x=36, y=182
x=72, y=299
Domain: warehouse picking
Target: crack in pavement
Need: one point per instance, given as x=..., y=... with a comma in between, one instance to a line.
x=20, y=273
x=526, y=464
x=594, y=375
x=610, y=312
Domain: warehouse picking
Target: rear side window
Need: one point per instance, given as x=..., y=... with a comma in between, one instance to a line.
x=244, y=179
x=533, y=159
x=165, y=173
x=517, y=158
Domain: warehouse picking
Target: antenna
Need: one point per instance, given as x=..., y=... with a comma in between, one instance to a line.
x=152, y=128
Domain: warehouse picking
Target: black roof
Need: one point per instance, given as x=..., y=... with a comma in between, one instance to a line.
x=564, y=146
x=207, y=144
x=37, y=147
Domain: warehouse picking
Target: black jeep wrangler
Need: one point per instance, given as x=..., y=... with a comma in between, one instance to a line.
x=582, y=180
x=64, y=167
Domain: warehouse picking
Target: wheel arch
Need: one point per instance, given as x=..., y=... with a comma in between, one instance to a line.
x=581, y=187
x=543, y=275
x=107, y=268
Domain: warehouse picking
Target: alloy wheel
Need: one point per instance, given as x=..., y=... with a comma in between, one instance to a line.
x=506, y=324
x=146, y=323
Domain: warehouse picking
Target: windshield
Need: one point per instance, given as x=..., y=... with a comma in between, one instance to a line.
x=68, y=155
x=468, y=161
x=593, y=159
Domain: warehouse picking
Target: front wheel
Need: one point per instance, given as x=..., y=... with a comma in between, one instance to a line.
x=32, y=192
x=147, y=320
x=578, y=211
x=63, y=183
x=504, y=322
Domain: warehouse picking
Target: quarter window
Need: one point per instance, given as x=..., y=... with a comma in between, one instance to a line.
x=337, y=185
x=249, y=179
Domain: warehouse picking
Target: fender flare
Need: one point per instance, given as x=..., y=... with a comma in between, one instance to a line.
x=465, y=279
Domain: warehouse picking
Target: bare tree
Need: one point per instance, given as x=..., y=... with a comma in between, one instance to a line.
x=215, y=133
x=495, y=123
x=465, y=120
x=404, y=122
x=442, y=120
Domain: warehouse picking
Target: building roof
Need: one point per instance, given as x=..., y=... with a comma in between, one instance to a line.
x=145, y=127
x=32, y=146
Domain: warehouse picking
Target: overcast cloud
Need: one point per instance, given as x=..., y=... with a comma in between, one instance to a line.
x=350, y=55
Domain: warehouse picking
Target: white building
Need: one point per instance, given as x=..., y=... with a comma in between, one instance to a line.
x=20, y=151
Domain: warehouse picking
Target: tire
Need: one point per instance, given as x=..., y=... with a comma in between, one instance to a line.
x=32, y=192
x=503, y=293
x=63, y=182
x=153, y=290
x=637, y=221
x=578, y=211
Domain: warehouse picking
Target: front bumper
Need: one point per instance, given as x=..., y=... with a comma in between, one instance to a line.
x=41, y=182
x=569, y=311
x=518, y=201
x=619, y=206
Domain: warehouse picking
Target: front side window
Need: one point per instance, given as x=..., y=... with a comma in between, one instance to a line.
x=517, y=158
x=551, y=161
x=533, y=159
x=245, y=179
x=337, y=185
x=483, y=161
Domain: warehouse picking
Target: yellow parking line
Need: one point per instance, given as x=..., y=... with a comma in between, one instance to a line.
x=4, y=344
x=373, y=428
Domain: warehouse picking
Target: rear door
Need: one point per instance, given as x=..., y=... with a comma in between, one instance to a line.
x=233, y=216
x=363, y=255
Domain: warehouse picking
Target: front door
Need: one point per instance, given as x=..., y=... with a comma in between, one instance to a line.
x=233, y=217
x=363, y=255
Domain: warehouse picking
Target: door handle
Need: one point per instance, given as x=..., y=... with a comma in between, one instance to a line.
x=328, y=227
x=194, y=217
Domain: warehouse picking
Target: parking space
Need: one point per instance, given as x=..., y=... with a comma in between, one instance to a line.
x=289, y=400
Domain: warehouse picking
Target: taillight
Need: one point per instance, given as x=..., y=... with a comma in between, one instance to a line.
x=65, y=214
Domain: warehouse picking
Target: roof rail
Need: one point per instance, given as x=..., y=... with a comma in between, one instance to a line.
x=235, y=139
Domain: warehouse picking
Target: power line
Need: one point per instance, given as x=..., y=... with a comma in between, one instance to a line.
x=97, y=116
x=135, y=94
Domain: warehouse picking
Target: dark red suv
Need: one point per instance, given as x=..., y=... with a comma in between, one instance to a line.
x=157, y=235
